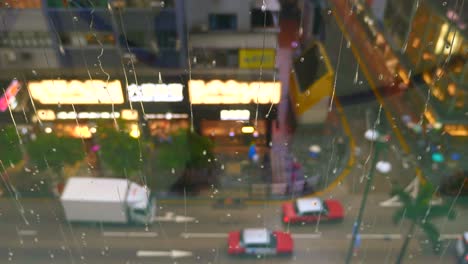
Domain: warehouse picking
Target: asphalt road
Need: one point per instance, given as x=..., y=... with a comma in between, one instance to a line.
x=48, y=238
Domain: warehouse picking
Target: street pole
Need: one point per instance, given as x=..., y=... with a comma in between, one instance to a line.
x=369, y=180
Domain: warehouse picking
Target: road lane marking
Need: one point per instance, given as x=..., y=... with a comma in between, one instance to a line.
x=450, y=236
x=171, y=254
x=307, y=236
x=377, y=236
x=27, y=232
x=204, y=235
x=224, y=235
x=129, y=234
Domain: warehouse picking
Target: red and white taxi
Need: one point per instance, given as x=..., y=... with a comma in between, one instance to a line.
x=259, y=242
x=308, y=210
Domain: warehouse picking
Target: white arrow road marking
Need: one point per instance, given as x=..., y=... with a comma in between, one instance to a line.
x=171, y=217
x=377, y=236
x=27, y=232
x=130, y=234
x=166, y=218
x=204, y=235
x=183, y=219
x=172, y=254
x=307, y=236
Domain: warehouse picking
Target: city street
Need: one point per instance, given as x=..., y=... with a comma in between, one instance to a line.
x=193, y=227
x=200, y=235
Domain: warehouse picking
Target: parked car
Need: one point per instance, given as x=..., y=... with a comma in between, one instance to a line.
x=259, y=242
x=311, y=210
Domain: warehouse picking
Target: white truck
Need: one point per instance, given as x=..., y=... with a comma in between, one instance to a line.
x=107, y=200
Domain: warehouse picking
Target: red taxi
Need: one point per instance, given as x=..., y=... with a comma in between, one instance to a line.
x=259, y=242
x=308, y=210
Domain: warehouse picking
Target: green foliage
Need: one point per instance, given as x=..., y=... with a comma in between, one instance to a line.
x=186, y=149
x=119, y=151
x=420, y=211
x=10, y=152
x=51, y=151
x=174, y=154
x=200, y=151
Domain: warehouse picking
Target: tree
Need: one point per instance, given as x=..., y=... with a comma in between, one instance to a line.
x=10, y=152
x=54, y=152
x=420, y=211
x=200, y=151
x=120, y=151
x=173, y=154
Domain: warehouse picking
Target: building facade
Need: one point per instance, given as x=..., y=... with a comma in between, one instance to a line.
x=232, y=51
x=135, y=50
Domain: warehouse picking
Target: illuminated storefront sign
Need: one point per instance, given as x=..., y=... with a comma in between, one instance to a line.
x=167, y=116
x=9, y=98
x=45, y=114
x=87, y=115
x=456, y=130
x=256, y=58
x=76, y=92
x=233, y=92
x=156, y=92
x=235, y=114
x=128, y=114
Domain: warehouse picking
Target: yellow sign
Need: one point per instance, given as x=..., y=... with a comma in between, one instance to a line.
x=256, y=58
x=76, y=92
x=233, y=92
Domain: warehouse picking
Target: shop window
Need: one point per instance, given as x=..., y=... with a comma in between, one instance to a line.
x=77, y=3
x=148, y=3
x=28, y=39
x=136, y=39
x=260, y=19
x=208, y=58
x=309, y=70
x=167, y=39
x=223, y=21
x=78, y=39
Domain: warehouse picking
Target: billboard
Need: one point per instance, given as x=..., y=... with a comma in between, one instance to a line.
x=76, y=92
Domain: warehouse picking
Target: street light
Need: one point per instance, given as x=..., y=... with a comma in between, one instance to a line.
x=374, y=136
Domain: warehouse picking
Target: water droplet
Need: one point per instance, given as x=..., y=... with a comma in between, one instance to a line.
x=204, y=152
x=444, y=3
x=54, y=150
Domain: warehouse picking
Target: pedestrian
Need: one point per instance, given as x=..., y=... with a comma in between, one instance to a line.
x=357, y=240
